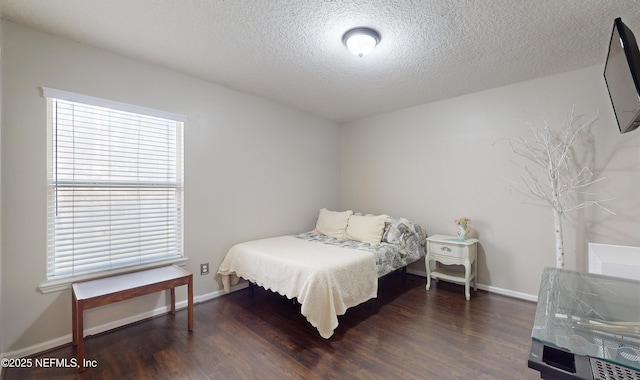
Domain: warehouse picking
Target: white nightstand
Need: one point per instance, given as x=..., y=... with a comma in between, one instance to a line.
x=448, y=250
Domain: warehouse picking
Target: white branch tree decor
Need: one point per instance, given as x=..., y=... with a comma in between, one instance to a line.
x=554, y=176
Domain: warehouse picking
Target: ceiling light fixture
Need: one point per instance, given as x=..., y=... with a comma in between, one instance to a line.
x=361, y=41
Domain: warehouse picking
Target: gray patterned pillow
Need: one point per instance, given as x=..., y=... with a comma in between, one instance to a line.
x=403, y=232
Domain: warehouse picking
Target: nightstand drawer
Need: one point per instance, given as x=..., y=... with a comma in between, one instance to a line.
x=449, y=250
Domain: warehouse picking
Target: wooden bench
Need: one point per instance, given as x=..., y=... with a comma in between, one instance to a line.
x=104, y=291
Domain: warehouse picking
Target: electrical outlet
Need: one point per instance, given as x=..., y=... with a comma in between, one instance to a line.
x=204, y=268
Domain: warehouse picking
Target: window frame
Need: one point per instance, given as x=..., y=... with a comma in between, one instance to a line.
x=60, y=283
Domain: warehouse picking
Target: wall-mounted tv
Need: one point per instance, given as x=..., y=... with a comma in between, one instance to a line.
x=622, y=75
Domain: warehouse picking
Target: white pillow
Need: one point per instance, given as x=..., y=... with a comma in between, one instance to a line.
x=366, y=228
x=333, y=223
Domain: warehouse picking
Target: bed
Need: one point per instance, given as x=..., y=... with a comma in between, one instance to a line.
x=330, y=269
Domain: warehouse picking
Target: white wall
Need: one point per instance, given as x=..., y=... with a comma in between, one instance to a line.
x=436, y=162
x=252, y=169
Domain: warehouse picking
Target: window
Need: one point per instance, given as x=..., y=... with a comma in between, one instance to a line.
x=115, y=185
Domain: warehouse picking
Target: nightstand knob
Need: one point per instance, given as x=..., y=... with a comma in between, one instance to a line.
x=445, y=249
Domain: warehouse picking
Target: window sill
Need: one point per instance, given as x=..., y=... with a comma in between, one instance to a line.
x=65, y=283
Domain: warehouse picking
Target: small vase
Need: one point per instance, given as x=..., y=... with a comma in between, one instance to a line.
x=462, y=232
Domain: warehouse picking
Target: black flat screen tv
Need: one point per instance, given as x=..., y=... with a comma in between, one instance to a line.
x=622, y=76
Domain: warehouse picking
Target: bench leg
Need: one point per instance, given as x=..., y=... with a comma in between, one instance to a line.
x=173, y=301
x=190, y=302
x=74, y=318
x=80, y=334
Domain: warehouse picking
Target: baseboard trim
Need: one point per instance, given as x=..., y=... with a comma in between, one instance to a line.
x=66, y=339
x=488, y=288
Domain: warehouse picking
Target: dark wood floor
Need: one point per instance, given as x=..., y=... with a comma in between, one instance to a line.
x=407, y=333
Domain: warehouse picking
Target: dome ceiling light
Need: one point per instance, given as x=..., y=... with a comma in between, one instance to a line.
x=361, y=41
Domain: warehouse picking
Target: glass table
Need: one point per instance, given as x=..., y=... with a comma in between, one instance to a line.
x=587, y=326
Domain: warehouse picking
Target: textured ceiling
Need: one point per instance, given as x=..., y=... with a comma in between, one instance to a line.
x=291, y=51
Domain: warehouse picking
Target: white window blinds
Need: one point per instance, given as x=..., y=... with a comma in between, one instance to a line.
x=115, y=186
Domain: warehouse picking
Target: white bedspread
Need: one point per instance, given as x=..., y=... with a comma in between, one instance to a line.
x=326, y=279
